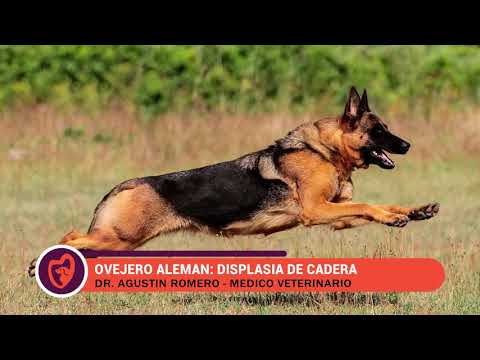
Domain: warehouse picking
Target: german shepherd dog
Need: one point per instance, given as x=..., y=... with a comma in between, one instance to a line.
x=303, y=178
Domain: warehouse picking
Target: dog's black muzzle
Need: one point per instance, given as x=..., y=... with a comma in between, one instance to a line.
x=393, y=144
x=380, y=141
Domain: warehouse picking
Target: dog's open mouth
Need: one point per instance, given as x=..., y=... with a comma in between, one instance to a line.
x=375, y=155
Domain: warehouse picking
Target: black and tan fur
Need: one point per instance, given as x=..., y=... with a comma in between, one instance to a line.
x=303, y=178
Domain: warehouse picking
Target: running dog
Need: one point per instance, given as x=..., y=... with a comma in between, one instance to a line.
x=303, y=178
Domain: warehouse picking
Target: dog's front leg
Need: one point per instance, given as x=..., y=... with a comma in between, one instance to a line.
x=328, y=213
x=350, y=222
x=424, y=212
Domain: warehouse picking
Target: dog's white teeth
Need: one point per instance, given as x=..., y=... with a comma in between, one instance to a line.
x=386, y=159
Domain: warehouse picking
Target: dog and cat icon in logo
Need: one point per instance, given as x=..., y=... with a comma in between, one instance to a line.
x=61, y=271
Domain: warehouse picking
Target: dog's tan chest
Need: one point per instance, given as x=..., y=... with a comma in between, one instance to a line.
x=315, y=179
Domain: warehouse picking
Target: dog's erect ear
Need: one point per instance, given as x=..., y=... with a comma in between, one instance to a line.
x=353, y=103
x=352, y=108
x=364, y=102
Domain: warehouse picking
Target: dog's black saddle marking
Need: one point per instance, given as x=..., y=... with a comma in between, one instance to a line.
x=219, y=194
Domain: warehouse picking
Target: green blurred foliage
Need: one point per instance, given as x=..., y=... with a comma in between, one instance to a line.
x=165, y=78
x=73, y=133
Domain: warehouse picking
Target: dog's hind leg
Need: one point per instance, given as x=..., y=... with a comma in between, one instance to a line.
x=127, y=220
x=98, y=240
x=72, y=235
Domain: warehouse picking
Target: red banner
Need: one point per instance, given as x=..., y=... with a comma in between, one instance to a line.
x=262, y=275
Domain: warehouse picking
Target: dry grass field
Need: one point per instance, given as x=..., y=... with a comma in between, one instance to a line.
x=56, y=166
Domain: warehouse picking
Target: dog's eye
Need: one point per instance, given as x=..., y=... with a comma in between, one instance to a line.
x=378, y=130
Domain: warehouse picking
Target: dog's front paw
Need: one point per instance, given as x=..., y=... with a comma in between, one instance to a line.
x=31, y=268
x=397, y=220
x=424, y=212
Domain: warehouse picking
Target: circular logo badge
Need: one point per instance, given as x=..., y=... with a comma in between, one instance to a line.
x=61, y=271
